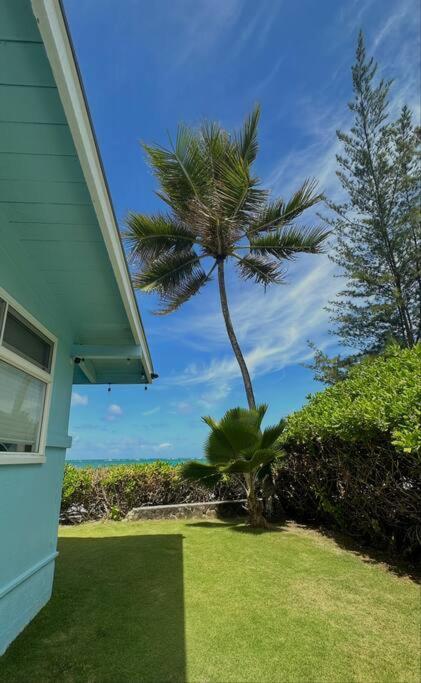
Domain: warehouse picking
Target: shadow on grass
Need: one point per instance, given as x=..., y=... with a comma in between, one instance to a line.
x=240, y=525
x=367, y=553
x=117, y=614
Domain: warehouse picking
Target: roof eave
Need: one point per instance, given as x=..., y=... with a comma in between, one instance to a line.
x=54, y=31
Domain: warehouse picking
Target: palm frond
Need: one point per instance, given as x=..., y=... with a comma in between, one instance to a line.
x=304, y=198
x=214, y=143
x=218, y=449
x=213, y=424
x=236, y=433
x=182, y=172
x=207, y=475
x=287, y=242
x=149, y=236
x=238, y=192
x=260, y=269
x=271, y=434
x=281, y=213
x=249, y=418
x=240, y=466
x=246, y=140
x=262, y=456
x=168, y=272
x=177, y=296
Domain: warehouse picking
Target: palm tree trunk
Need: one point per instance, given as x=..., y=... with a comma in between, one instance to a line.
x=231, y=334
x=254, y=505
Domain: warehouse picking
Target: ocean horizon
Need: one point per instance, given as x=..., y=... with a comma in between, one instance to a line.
x=112, y=462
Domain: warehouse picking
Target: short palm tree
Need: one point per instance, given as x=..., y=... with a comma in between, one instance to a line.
x=237, y=445
x=217, y=212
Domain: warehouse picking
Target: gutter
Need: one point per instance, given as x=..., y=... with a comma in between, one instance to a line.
x=54, y=30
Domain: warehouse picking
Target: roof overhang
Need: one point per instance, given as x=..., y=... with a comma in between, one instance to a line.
x=54, y=31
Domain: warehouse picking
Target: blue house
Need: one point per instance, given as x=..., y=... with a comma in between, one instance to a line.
x=68, y=314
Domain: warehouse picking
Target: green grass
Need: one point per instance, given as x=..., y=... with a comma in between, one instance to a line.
x=208, y=602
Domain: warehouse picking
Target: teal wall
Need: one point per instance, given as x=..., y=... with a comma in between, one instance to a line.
x=54, y=263
x=30, y=494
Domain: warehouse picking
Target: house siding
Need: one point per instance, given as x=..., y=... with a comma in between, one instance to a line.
x=57, y=264
x=30, y=494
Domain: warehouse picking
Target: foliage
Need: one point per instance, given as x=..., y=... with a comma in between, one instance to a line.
x=217, y=211
x=354, y=453
x=378, y=399
x=330, y=369
x=113, y=491
x=237, y=445
x=377, y=228
x=183, y=601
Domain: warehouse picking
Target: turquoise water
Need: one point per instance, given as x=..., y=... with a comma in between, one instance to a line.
x=110, y=462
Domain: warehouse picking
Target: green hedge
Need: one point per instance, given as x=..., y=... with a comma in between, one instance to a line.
x=354, y=452
x=95, y=493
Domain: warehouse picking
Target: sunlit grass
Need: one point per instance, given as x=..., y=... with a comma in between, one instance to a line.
x=210, y=602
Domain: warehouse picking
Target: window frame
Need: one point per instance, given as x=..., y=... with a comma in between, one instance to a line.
x=17, y=361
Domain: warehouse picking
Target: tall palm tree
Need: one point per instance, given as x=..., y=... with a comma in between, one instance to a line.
x=216, y=211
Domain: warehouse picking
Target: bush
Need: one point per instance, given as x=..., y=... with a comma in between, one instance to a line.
x=353, y=454
x=90, y=493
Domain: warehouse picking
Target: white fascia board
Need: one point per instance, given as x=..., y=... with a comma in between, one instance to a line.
x=56, y=40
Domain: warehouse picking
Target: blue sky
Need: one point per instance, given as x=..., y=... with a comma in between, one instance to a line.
x=147, y=66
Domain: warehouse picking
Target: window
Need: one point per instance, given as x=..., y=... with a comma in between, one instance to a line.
x=21, y=406
x=26, y=361
x=21, y=337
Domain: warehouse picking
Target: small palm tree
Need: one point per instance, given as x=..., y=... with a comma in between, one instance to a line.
x=217, y=211
x=237, y=445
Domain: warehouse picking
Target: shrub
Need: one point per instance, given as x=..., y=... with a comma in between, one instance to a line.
x=94, y=493
x=353, y=453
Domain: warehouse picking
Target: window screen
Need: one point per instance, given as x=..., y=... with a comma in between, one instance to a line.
x=19, y=336
x=21, y=407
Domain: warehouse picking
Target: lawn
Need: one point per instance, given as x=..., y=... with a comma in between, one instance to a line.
x=212, y=602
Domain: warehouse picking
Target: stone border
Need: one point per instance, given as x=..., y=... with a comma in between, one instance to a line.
x=217, y=508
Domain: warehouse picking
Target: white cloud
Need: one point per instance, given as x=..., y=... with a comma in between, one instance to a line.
x=114, y=411
x=79, y=399
x=152, y=411
x=154, y=447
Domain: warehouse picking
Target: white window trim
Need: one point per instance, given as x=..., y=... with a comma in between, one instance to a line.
x=22, y=364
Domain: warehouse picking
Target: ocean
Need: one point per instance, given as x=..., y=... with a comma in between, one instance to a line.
x=112, y=462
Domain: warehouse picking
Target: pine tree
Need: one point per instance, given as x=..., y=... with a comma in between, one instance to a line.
x=377, y=228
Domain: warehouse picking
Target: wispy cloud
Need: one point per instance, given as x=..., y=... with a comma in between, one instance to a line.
x=181, y=407
x=217, y=393
x=163, y=446
x=400, y=58
x=319, y=117
x=267, y=80
x=255, y=31
x=152, y=411
x=79, y=399
x=272, y=328
x=202, y=24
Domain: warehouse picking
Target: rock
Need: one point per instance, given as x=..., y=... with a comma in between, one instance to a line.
x=74, y=515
